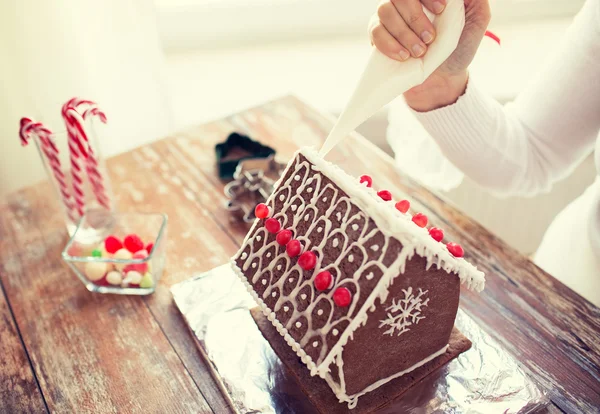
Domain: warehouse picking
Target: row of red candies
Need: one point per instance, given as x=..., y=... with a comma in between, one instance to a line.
x=307, y=260
x=419, y=219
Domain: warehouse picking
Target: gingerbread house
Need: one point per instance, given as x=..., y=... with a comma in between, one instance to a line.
x=358, y=287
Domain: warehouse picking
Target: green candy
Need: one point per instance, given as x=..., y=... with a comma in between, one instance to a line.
x=96, y=253
x=147, y=281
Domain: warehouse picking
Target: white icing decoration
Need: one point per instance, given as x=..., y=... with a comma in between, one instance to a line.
x=294, y=207
x=291, y=280
x=315, y=344
x=286, y=308
x=375, y=247
x=281, y=197
x=367, y=206
x=319, y=229
x=320, y=312
x=297, y=177
x=268, y=254
x=254, y=265
x=258, y=238
x=355, y=227
x=324, y=199
x=351, y=258
x=370, y=276
x=274, y=294
x=243, y=256
x=298, y=325
x=404, y=312
x=264, y=281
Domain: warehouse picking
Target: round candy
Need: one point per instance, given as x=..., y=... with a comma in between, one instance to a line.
x=307, y=260
x=385, y=195
x=284, y=237
x=366, y=179
x=420, y=219
x=323, y=281
x=403, y=206
x=133, y=243
x=261, y=211
x=122, y=254
x=147, y=281
x=455, y=249
x=436, y=234
x=272, y=225
x=114, y=278
x=112, y=244
x=149, y=247
x=342, y=297
x=133, y=278
x=293, y=248
x=95, y=270
x=96, y=253
x=139, y=267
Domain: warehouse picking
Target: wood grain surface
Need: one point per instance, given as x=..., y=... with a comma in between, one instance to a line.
x=74, y=351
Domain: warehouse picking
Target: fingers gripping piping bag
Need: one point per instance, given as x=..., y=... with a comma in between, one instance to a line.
x=384, y=79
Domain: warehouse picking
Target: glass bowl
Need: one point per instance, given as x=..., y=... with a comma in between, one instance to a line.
x=120, y=272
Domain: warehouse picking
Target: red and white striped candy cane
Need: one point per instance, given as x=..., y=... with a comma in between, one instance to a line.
x=50, y=151
x=76, y=156
x=92, y=167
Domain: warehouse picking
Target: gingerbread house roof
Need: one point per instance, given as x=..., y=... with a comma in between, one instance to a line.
x=357, y=236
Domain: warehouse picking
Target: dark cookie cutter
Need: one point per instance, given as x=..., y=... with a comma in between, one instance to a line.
x=253, y=182
x=227, y=168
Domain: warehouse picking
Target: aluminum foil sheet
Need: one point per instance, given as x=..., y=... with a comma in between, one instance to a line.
x=215, y=305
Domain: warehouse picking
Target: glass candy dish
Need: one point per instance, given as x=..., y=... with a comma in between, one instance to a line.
x=104, y=272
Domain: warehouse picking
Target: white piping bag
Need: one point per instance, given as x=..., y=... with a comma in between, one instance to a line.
x=384, y=79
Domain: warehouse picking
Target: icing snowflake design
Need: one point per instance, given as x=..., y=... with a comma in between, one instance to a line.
x=403, y=313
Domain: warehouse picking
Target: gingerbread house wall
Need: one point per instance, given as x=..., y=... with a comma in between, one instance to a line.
x=396, y=338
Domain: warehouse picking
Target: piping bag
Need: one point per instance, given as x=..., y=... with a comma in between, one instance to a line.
x=384, y=79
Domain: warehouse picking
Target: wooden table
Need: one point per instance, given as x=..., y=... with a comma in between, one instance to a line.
x=64, y=349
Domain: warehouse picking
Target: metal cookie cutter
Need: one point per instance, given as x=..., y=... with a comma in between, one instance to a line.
x=253, y=182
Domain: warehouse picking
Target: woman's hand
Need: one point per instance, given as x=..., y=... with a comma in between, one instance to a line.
x=400, y=29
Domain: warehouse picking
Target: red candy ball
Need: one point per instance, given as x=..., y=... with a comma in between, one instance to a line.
x=436, y=234
x=112, y=244
x=284, y=237
x=342, y=297
x=261, y=211
x=385, y=195
x=307, y=260
x=366, y=179
x=133, y=243
x=272, y=225
x=149, y=247
x=293, y=248
x=403, y=206
x=455, y=249
x=420, y=219
x=323, y=280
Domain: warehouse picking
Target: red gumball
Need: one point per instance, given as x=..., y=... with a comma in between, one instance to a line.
x=261, y=211
x=284, y=237
x=112, y=244
x=420, y=219
x=272, y=225
x=366, y=179
x=385, y=195
x=323, y=280
x=342, y=297
x=455, y=249
x=436, y=234
x=133, y=243
x=149, y=247
x=307, y=260
x=403, y=206
x=293, y=248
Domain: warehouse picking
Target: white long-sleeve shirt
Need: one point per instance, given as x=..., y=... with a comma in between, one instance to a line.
x=526, y=146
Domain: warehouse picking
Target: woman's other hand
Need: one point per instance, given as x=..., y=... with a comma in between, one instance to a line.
x=400, y=29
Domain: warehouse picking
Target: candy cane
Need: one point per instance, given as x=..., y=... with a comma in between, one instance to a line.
x=81, y=150
x=50, y=151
